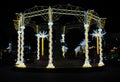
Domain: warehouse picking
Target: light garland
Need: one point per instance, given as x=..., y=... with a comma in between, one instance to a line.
x=18, y=50
x=50, y=64
x=100, y=44
x=86, y=63
x=38, y=46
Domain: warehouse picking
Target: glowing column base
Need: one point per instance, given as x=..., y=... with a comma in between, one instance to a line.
x=50, y=65
x=21, y=65
x=100, y=64
x=86, y=64
x=18, y=62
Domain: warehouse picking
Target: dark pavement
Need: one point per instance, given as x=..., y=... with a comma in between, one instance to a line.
x=110, y=72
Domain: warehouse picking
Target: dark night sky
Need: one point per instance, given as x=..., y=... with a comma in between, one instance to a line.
x=104, y=8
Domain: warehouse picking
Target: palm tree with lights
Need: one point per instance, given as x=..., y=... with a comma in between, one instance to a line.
x=41, y=35
x=81, y=46
x=99, y=34
x=96, y=35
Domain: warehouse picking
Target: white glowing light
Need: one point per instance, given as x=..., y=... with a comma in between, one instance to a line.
x=50, y=23
x=64, y=48
x=95, y=33
x=18, y=54
x=43, y=34
x=22, y=46
x=77, y=49
x=98, y=34
x=86, y=26
x=40, y=35
x=81, y=46
x=38, y=47
x=20, y=59
x=50, y=65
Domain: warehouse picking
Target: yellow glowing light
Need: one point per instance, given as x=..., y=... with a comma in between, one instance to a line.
x=42, y=46
x=86, y=63
x=50, y=23
x=21, y=65
x=50, y=66
x=100, y=45
x=97, y=45
x=100, y=64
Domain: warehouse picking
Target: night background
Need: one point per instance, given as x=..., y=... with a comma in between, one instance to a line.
x=108, y=9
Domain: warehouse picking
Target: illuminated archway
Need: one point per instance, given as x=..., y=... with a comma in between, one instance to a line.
x=52, y=14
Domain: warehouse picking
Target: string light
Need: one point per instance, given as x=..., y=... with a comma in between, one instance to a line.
x=86, y=63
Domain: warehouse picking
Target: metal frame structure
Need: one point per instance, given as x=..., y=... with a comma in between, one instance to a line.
x=51, y=14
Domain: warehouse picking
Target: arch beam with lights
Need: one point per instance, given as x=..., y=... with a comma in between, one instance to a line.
x=51, y=14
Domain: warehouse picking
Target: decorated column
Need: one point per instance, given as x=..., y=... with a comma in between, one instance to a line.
x=86, y=63
x=19, y=39
x=38, y=42
x=100, y=45
x=38, y=46
x=18, y=50
x=50, y=23
x=21, y=42
x=22, y=47
x=86, y=26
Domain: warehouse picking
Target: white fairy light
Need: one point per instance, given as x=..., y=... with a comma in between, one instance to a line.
x=40, y=35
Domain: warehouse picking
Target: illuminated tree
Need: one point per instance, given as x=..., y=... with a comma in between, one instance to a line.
x=42, y=35
x=96, y=35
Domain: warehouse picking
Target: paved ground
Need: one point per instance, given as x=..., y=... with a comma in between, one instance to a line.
x=110, y=72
